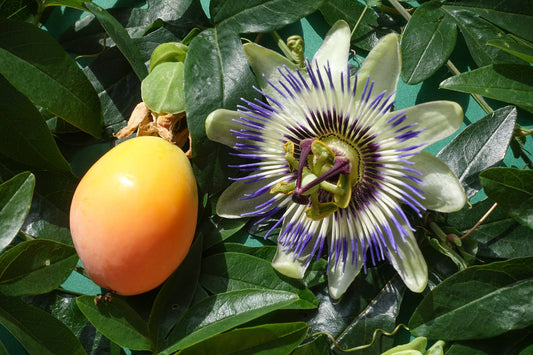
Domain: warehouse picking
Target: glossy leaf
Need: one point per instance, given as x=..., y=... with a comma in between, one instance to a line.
x=512, y=83
x=427, y=42
x=75, y=4
x=15, y=200
x=223, y=311
x=514, y=342
x=118, y=321
x=481, y=145
x=264, y=339
x=45, y=73
x=36, y=266
x=242, y=16
x=477, y=32
x=175, y=296
x=36, y=330
x=515, y=46
x=499, y=236
x=367, y=33
x=223, y=77
x=24, y=135
x=512, y=189
x=162, y=89
x=381, y=313
x=318, y=346
x=236, y=271
x=496, y=297
x=121, y=38
x=511, y=15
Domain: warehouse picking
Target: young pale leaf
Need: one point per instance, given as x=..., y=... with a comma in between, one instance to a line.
x=35, y=266
x=496, y=298
x=217, y=74
x=37, y=330
x=512, y=189
x=46, y=74
x=499, y=236
x=477, y=32
x=117, y=321
x=479, y=146
x=162, y=89
x=242, y=16
x=175, y=296
x=512, y=83
x=221, y=312
x=367, y=33
x=24, y=135
x=236, y=271
x=427, y=42
x=15, y=200
x=511, y=15
x=265, y=339
x=121, y=38
x=514, y=45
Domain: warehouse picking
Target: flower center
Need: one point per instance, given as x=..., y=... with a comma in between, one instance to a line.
x=326, y=172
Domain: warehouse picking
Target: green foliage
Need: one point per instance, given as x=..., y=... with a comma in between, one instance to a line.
x=58, y=116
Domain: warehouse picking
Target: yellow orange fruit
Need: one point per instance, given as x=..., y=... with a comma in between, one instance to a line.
x=133, y=215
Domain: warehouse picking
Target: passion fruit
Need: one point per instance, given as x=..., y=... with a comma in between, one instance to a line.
x=133, y=215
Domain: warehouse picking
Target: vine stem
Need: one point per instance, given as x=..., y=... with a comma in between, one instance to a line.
x=359, y=21
x=282, y=45
x=481, y=220
x=451, y=67
x=361, y=347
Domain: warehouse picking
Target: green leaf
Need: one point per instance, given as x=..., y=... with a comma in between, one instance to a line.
x=512, y=83
x=36, y=266
x=162, y=89
x=218, y=313
x=320, y=345
x=75, y=4
x=220, y=229
x=36, y=330
x=512, y=189
x=175, y=296
x=481, y=145
x=217, y=75
x=514, y=342
x=121, y=38
x=499, y=236
x=264, y=339
x=367, y=33
x=117, y=321
x=36, y=65
x=427, y=42
x=514, y=45
x=236, y=271
x=495, y=298
x=242, y=16
x=15, y=200
x=477, y=32
x=24, y=135
x=511, y=15
x=380, y=313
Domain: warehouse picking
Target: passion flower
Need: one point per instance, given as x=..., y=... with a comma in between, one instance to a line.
x=329, y=153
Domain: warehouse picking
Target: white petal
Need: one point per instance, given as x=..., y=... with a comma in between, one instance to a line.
x=409, y=261
x=342, y=276
x=232, y=202
x=266, y=62
x=334, y=49
x=219, y=124
x=442, y=190
x=439, y=119
x=383, y=65
x=288, y=265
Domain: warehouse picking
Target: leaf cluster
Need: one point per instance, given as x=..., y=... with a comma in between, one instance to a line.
x=63, y=96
